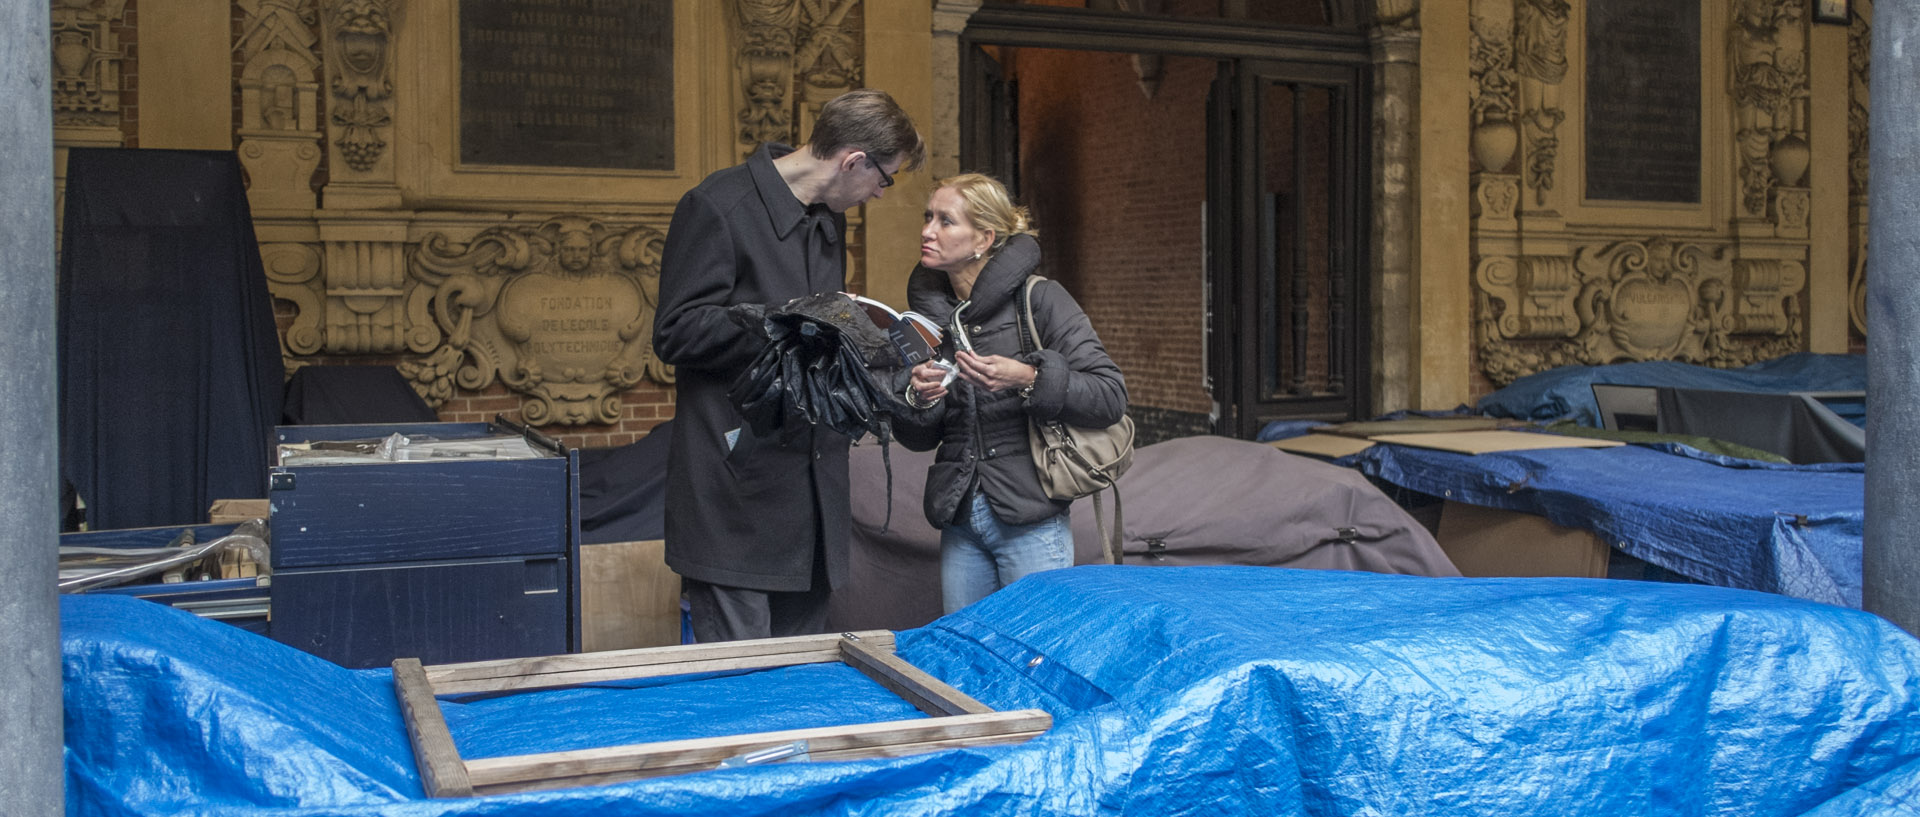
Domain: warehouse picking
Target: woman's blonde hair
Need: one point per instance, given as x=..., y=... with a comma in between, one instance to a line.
x=989, y=207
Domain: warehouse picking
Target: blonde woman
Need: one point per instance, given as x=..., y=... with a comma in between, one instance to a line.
x=996, y=524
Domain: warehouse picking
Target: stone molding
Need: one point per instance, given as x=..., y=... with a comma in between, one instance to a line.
x=1632, y=300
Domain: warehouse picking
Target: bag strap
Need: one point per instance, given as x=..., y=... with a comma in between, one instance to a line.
x=1030, y=342
x=1029, y=331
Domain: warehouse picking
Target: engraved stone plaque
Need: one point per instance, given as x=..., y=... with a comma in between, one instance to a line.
x=1643, y=101
x=567, y=83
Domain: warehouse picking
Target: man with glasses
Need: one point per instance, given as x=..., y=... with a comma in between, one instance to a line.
x=758, y=528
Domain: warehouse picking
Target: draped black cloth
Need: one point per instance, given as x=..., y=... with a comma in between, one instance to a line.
x=353, y=395
x=170, y=372
x=623, y=490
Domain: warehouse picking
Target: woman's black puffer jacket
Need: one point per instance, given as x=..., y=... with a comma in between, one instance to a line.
x=982, y=435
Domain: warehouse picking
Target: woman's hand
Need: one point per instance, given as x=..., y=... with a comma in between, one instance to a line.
x=926, y=383
x=995, y=373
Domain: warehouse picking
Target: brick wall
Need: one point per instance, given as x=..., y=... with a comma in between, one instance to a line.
x=1117, y=184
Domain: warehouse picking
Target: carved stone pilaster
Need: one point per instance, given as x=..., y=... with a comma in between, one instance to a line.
x=358, y=39
x=1859, y=95
x=279, y=132
x=763, y=37
x=1769, y=90
x=561, y=313
x=1540, y=62
x=1490, y=99
x=829, y=60
x=782, y=45
x=1635, y=300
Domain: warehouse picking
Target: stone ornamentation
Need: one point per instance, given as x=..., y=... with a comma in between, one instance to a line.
x=359, y=78
x=280, y=139
x=1540, y=59
x=1632, y=301
x=561, y=313
x=812, y=45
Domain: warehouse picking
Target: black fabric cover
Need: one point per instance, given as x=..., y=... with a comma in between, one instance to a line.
x=352, y=395
x=1794, y=426
x=623, y=491
x=169, y=363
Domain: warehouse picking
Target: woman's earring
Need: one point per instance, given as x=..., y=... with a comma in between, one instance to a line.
x=976, y=255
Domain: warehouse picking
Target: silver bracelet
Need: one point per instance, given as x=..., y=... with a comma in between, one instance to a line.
x=913, y=399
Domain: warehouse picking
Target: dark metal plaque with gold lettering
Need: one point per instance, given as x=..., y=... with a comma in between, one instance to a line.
x=567, y=83
x=1643, y=101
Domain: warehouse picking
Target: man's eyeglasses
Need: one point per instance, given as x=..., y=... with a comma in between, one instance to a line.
x=886, y=179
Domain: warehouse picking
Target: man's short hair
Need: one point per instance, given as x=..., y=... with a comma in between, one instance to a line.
x=867, y=120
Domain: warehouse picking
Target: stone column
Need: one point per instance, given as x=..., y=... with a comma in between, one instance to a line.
x=1396, y=106
x=30, y=771
x=1892, y=547
x=943, y=133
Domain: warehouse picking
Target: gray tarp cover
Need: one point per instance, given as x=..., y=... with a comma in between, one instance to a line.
x=1187, y=501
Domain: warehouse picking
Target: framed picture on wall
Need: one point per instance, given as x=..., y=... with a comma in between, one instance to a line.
x=1830, y=11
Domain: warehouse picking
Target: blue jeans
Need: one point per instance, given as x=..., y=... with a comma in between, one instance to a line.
x=983, y=554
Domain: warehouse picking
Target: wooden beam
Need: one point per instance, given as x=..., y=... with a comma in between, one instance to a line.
x=519, y=674
x=528, y=772
x=929, y=694
x=442, y=773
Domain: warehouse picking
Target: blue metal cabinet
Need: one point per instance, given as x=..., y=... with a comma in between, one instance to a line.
x=446, y=561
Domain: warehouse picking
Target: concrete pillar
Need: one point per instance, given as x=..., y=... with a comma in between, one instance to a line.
x=1892, y=547
x=30, y=776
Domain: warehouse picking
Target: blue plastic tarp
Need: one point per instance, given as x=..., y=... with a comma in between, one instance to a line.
x=1793, y=530
x=1567, y=392
x=1197, y=690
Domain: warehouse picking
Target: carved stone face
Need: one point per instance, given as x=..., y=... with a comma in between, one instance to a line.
x=575, y=251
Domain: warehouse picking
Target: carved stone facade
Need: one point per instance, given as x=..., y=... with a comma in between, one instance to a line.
x=1559, y=281
x=471, y=280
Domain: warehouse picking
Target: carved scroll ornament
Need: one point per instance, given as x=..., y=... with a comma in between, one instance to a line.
x=1632, y=300
x=562, y=313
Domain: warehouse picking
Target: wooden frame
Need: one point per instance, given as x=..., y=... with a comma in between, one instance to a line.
x=955, y=719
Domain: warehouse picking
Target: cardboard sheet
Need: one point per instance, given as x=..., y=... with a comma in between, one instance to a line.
x=1483, y=442
x=1322, y=445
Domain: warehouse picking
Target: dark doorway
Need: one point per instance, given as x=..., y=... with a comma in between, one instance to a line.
x=1200, y=187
